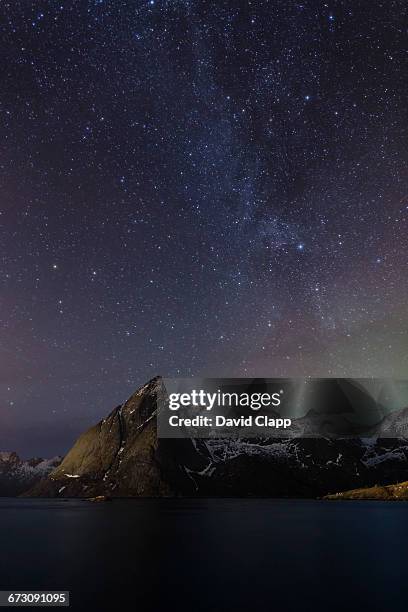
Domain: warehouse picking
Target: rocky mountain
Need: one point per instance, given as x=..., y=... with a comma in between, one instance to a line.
x=122, y=456
x=393, y=424
x=17, y=475
x=396, y=422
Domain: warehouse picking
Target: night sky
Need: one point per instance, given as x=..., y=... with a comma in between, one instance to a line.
x=196, y=188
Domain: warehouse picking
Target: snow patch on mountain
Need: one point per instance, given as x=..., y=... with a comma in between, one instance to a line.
x=17, y=474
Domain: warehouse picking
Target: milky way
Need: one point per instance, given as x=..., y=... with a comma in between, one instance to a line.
x=196, y=188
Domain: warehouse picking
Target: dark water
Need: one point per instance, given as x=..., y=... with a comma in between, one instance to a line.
x=209, y=555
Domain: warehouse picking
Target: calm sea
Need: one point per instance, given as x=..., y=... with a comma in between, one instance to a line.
x=193, y=555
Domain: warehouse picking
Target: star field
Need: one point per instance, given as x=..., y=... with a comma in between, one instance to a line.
x=196, y=188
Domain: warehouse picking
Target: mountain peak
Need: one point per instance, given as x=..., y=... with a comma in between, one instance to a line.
x=116, y=455
x=121, y=456
x=17, y=475
x=9, y=457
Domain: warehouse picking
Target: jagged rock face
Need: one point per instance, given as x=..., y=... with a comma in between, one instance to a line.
x=302, y=467
x=116, y=456
x=395, y=423
x=121, y=456
x=17, y=476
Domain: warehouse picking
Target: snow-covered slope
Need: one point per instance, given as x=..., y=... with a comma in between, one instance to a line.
x=16, y=475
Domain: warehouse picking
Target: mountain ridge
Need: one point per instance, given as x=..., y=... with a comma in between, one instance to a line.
x=18, y=475
x=121, y=456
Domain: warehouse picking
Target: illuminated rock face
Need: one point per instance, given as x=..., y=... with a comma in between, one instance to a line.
x=17, y=475
x=394, y=492
x=117, y=456
x=121, y=456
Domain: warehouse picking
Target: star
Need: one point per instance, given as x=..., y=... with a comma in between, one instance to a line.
x=189, y=171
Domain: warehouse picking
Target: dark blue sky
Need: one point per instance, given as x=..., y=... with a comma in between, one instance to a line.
x=193, y=188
